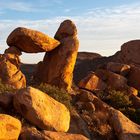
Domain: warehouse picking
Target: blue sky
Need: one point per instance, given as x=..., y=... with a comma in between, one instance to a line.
x=103, y=25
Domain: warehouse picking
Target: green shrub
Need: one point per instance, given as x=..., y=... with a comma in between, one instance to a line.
x=132, y=113
x=118, y=99
x=58, y=94
x=5, y=88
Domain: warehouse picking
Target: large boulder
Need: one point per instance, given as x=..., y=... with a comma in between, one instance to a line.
x=10, y=71
x=116, y=81
x=93, y=83
x=134, y=77
x=10, y=127
x=42, y=110
x=113, y=80
x=58, y=65
x=124, y=128
x=31, y=41
x=122, y=69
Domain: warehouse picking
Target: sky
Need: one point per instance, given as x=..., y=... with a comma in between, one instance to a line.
x=103, y=25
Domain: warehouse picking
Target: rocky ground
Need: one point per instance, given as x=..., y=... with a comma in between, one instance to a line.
x=68, y=95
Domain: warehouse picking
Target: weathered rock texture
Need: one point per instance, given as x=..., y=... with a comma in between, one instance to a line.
x=92, y=82
x=31, y=41
x=10, y=71
x=118, y=68
x=33, y=134
x=134, y=77
x=10, y=127
x=58, y=65
x=42, y=110
x=129, y=53
x=64, y=136
x=124, y=128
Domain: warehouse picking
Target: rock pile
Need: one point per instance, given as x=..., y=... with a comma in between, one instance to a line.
x=41, y=111
x=32, y=114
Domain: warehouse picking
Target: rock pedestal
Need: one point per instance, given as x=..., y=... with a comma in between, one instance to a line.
x=58, y=65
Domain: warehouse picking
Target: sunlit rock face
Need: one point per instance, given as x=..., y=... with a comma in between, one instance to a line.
x=31, y=41
x=42, y=110
x=58, y=65
x=10, y=72
x=10, y=127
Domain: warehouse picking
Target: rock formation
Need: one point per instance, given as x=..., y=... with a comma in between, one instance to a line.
x=129, y=53
x=10, y=69
x=93, y=83
x=110, y=83
x=58, y=65
x=42, y=110
x=10, y=127
x=31, y=41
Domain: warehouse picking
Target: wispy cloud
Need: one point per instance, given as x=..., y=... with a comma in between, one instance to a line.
x=28, y=6
x=15, y=5
x=101, y=30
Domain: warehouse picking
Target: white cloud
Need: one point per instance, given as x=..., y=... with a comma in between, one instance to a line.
x=28, y=6
x=100, y=30
x=16, y=5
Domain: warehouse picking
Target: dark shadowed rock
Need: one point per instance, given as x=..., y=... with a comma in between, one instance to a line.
x=129, y=53
x=118, y=68
x=134, y=77
x=124, y=128
x=34, y=134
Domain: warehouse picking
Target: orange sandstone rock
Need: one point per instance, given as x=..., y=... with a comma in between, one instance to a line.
x=10, y=127
x=58, y=65
x=31, y=41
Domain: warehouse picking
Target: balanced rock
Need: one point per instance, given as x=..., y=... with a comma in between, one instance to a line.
x=42, y=110
x=31, y=41
x=10, y=127
x=118, y=68
x=58, y=65
x=124, y=128
x=92, y=82
x=9, y=71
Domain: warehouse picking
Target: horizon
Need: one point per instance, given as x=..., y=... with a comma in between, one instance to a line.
x=102, y=26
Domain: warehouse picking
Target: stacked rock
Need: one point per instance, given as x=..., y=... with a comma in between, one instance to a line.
x=58, y=65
